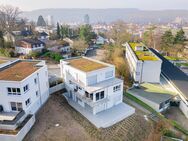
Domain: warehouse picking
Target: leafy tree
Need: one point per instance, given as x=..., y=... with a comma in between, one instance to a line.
x=167, y=39
x=58, y=31
x=64, y=31
x=86, y=33
x=180, y=37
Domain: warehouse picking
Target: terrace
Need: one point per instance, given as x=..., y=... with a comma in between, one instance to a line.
x=86, y=65
x=153, y=92
x=145, y=54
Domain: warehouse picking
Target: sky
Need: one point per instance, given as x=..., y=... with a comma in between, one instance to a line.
x=28, y=5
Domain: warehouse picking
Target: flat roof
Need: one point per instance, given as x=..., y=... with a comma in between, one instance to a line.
x=18, y=71
x=85, y=64
x=2, y=61
x=174, y=74
x=153, y=92
x=144, y=55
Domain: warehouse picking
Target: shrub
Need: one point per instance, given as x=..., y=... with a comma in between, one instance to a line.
x=7, y=52
x=55, y=56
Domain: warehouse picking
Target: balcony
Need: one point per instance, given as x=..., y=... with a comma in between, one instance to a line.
x=90, y=102
x=11, y=120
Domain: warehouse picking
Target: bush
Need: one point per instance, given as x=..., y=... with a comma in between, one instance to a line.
x=55, y=56
x=7, y=52
x=35, y=54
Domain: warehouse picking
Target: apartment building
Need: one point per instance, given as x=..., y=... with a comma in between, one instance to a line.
x=92, y=85
x=23, y=85
x=144, y=65
x=24, y=89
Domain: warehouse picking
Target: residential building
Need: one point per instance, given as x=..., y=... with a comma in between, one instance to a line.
x=144, y=65
x=92, y=85
x=64, y=49
x=26, y=46
x=100, y=40
x=24, y=88
x=43, y=36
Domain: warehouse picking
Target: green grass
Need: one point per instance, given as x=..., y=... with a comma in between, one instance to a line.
x=182, y=64
x=171, y=58
x=179, y=127
x=143, y=55
x=154, y=88
x=133, y=98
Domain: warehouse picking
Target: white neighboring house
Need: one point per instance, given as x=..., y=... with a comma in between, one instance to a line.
x=24, y=88
x=26, y=46
x=92, y=85
x=100, y=40
x=23, y=83
x=144, y=65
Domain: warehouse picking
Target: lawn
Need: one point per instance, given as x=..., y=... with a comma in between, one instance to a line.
x=182, y=64
x=155, y=88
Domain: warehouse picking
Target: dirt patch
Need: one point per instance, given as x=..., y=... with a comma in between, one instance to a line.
x=72, y=126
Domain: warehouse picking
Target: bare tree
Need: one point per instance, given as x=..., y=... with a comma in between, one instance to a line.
x=79, y=46
x=119, y=33
x=9, y=15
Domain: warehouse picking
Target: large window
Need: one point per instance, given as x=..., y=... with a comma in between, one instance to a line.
x=16, y=106
x=99, y=95
x=27, y=102
x=14, y=91
x=26, y=88
x=117, y=88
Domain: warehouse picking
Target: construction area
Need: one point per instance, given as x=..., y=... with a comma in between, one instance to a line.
x=58, y=121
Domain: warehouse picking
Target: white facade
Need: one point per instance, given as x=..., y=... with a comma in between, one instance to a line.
x=30, y=94
x=27, y=50
x=143, y=71
x=96, y=90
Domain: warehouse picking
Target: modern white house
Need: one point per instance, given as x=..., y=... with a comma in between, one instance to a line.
x=144, y=65
x=92, y=89
x=24, y=88
x=26, y=46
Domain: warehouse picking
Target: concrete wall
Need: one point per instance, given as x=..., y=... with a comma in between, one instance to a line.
x=21, y=134
x=184, y=108
x=155, y=106
x=151, y=71
x=56, y=88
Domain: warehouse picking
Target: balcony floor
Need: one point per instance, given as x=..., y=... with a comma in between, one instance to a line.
x=106, y=118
